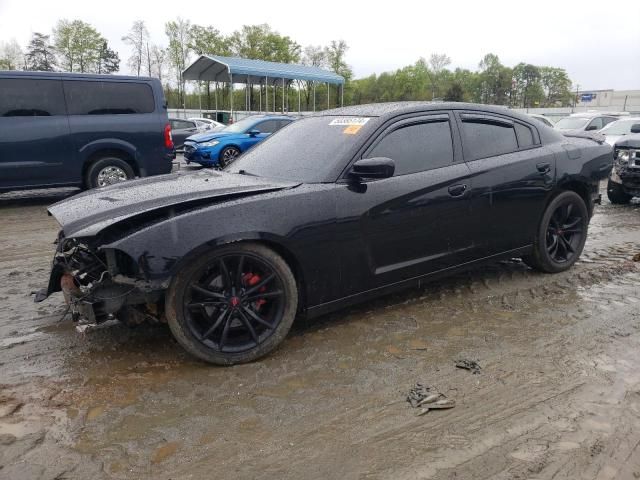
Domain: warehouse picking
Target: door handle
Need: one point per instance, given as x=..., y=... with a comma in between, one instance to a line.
x=544, y=167
x=457, y=190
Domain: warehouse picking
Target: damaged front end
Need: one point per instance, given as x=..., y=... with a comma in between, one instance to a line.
x=626, y=167
x=101, y=284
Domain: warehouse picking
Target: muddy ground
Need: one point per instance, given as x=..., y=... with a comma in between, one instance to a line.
x=558, y=394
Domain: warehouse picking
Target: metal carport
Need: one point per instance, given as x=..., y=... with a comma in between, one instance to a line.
x=232, y=70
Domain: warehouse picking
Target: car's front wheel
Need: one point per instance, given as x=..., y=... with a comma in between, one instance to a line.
x=616, y=193
x=227, y=155
x=232, y=305
x=561, y=234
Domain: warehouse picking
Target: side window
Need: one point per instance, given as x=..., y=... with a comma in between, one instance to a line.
x=525, y=135
x=417, y=147
x=268, y=126
x=596, y=124
x=108, y=98
x=608, y=120
x=485, y=138
x=31, y=98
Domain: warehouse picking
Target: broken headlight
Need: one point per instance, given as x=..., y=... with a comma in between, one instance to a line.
x=622, y=155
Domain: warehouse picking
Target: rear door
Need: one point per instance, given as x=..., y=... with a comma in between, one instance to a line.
x=412, y=223
x=512, y=178
x=35, y=147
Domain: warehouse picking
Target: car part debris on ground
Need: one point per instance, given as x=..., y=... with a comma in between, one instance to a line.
x=470, y=365
x=424, y=397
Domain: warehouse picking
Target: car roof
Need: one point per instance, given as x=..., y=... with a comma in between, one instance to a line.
x=265, y=116
x=392, y=109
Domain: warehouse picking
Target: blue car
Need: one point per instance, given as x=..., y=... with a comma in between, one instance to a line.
x=219, y=148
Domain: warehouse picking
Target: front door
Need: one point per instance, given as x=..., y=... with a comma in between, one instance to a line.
x=412, y=223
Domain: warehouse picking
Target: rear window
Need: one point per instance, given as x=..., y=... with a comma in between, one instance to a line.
x=484, y=138
x=108, y=98
x=31, y=98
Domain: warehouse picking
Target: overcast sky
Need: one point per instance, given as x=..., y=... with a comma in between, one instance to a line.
x=598, y=43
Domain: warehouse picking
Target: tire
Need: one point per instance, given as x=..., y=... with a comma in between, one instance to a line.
x=616, y=193
x=227, y=155
x=561, y=234
x=108, y=171
x=264, y=294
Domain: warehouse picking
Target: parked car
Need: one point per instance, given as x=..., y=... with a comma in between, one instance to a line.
x=222, y=147
x=618, y=129
x=624, y=181
x=542, y=119
x=80, y=130
x=205, y=124
x=585, y=122
x=337, y=208
x=181, y=129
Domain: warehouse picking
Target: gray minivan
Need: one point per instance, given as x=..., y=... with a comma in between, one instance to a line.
x=68, y=129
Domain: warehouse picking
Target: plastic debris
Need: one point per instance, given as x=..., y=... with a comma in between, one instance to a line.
x=470, y=365
x=424, y=397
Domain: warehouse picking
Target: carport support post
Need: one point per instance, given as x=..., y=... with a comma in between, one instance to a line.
x=231, y=94
x=216, y=97
x=328, y=93
x=342, y=95
x=266, y=94
x=283, y=95
x=298, y=97
x=314, y=95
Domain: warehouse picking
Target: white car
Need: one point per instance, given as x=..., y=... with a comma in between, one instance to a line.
x=618, y=129
x=205, y=124
x=586, y=121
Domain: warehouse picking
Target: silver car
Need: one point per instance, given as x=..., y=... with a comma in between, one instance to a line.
x=618, y=129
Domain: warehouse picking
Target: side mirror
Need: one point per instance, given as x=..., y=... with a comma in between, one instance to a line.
x=591, y=127
x=254, y=132
x=379, y=167
x=635, y=128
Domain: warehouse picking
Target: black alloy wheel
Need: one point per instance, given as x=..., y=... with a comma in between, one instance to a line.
x=227, y=155
x=234, y=305
x=564, y=232
x=561, y=234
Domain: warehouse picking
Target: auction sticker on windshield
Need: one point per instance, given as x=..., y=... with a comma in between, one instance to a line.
x=352, y=129
x=346, y=121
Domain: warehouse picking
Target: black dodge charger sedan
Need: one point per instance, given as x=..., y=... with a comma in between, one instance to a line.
x=333, y=209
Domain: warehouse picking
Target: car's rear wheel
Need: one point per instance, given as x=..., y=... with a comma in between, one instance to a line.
x=108, y=171
x=227, y=155
x=561, y=235
x=232, y=305
x=616, y=193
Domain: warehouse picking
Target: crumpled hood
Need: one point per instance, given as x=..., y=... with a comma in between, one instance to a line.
x=629, y=141
x=208, y=136
x=90, y=212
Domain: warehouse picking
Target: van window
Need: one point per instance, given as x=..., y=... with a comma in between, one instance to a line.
x=108, y=98
x=28, y=97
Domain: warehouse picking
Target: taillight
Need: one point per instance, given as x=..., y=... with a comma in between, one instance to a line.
x=168, y=139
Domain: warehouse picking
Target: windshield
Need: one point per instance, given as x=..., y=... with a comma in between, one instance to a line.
x=620, y=127
x=572, y=123
x=241, y=126
x=306, y=150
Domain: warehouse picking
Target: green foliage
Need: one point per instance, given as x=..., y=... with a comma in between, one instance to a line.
x=260, y=42
x=108, y=60
x=11, y=57
x=78, y=46
x=40, y=54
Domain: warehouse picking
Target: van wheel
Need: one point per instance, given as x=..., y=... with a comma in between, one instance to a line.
x=561, y=234
x=108, y=171
x=233, y=304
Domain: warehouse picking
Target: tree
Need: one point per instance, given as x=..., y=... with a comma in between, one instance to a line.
x=527, y=85
x=455, y=93
x=335, y=54
x=78, y=45
x=437, y=62
x=138, y=40
x=40, y=54
x=260, y=42
x=495, y=81
x=179, y=35
x=312, y=56
x=556, y=85
x=108, y=60
x=158, y=61
x=11, y=57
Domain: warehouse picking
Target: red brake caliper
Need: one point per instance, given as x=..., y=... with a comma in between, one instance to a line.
x=250, y=280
